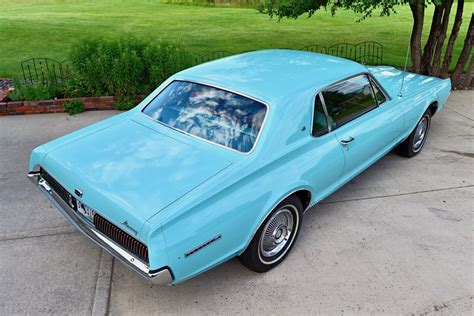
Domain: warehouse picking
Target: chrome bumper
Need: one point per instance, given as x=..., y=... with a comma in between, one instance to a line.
x=158, y=277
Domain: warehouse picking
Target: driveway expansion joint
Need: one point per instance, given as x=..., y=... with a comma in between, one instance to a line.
x=460, y=114
x=103, y=285
x=37, y=234
x=398, y=194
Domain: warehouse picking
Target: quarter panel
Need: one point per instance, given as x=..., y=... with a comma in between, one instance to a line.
x=233, y=204
x=414, y=105
x=236, y=212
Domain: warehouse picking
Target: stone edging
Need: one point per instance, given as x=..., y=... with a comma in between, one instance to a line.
x=54, y=106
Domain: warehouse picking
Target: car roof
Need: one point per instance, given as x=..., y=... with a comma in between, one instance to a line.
x=269, y=75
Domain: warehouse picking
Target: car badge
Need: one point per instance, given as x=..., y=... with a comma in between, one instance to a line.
x=78, y=192
x=71, y=201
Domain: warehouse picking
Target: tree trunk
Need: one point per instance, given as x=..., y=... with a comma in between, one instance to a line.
x=442, y=36
x=430, y=43
x=465, y=54
x=467, y=81
x=448, y=56
x=418, y=12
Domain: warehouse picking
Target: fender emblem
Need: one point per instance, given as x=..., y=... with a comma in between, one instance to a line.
x=207, y=243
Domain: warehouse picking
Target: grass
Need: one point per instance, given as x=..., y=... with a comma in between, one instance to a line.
x=50, y=28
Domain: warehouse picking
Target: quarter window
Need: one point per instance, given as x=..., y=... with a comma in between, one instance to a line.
x=379, y=96
x=320, y=123
x=348, y=100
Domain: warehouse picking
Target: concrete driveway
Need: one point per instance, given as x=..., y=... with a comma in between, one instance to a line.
x=397, y=239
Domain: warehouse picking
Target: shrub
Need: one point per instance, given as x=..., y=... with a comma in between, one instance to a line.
x=74, y=107
x=125, y=104
x=34, y=91
x=163, y=60
x=71, y=89
x=125, y=67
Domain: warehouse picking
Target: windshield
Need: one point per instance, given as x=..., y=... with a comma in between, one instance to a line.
x=219, y=116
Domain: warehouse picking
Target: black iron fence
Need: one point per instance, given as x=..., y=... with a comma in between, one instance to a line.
x=208, y=56
x=44, y=70
x=48, y=70
x=367, y=53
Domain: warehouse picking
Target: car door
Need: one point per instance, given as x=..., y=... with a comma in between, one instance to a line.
x=365, y=122
x=324, y=156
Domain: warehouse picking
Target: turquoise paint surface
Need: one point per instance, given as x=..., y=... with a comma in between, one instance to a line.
x=178, y=191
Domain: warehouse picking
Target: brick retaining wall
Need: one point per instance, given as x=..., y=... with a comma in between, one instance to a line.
x=54, y=106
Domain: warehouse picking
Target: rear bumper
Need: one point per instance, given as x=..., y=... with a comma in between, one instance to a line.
x=158, y=277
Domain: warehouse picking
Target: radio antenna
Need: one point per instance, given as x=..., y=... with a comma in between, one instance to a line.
x=405, y=68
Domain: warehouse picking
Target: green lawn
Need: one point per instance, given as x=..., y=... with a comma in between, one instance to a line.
x=49, y=28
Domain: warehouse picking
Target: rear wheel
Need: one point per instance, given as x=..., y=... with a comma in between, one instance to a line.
x=414, y=143
x=275, y=237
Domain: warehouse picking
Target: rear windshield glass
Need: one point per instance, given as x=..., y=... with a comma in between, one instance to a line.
x=219, y=116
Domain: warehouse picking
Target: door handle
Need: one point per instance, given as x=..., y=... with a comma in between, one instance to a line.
x=345, y=142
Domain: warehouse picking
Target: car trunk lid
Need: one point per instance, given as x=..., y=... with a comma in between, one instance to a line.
x=129, y=172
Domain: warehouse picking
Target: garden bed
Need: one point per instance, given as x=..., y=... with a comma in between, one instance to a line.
x=56, y=105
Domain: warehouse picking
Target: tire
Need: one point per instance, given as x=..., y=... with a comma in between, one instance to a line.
x=414, y=144
x=269, y=247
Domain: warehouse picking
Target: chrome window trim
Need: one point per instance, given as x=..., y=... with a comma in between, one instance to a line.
x=323, y=102
x=373, y=83
x=381, y=88
x=368, y=74
x=320, y=93
x=325, y=114
x=203, y=139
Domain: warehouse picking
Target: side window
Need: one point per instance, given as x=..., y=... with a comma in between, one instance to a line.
x=320, y=124
x=348, y=100
x=379, y=96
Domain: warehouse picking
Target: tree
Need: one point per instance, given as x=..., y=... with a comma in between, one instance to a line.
x=464, y=57
x=430, y=60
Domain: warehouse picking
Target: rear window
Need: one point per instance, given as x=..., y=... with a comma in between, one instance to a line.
x=213, y=114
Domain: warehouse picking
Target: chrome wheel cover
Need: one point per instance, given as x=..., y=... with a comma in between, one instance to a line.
x=420, y=134
x=278, y=234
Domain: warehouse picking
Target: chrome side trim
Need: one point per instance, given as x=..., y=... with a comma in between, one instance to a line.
x=207, y=243
x=158, y=277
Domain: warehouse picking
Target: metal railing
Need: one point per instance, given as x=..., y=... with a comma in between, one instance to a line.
x=50, y=71
x=367, y=53
x=44, y=70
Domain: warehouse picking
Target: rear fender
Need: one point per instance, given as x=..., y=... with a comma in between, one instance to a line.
x=415, y=105
x=231, y=219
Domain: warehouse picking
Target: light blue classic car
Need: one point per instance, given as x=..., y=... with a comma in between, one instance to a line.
x=223, y=159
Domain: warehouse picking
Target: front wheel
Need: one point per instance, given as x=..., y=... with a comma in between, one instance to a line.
x=414, y=143
x=275, y=237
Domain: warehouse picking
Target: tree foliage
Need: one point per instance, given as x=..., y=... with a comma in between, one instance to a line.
x=434, y=59
x=295, y=8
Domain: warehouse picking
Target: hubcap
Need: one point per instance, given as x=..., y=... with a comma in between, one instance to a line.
x=276, y=233
x=420, y=134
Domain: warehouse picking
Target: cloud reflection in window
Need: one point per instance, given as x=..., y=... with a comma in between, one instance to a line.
x=210, y=113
